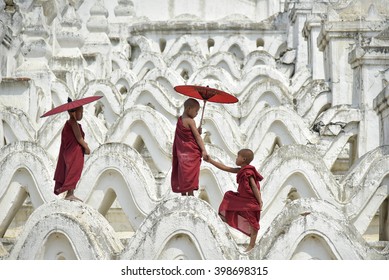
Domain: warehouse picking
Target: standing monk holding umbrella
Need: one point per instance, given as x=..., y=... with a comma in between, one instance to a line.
x=188, y=146
x=73, y=147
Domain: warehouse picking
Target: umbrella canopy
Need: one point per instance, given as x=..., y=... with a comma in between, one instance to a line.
x=71, y=105
x=206, y=93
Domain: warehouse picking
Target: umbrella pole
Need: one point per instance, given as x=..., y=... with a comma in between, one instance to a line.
x=202, y=114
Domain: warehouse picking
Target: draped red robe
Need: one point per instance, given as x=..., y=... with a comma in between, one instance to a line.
x=241, y=209
x=186, y=160
x=70, y=161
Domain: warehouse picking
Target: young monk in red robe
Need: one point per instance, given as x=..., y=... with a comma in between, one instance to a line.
x=71, y=155
x=242, y=209
x=188, y=148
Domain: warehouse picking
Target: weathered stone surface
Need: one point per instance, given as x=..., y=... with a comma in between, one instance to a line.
x=312, y=82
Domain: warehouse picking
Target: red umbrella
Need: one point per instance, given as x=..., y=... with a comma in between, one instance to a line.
x=71, y=105
x=206, y=94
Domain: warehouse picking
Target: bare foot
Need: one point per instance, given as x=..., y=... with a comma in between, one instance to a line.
x=249, y=248
x=72, y=197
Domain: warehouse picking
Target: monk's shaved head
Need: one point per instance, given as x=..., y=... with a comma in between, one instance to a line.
x=190, y=103
x=248, y=154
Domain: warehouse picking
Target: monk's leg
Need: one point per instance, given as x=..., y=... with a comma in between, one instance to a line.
x=223, y=218
x=70, y=196
x=253, y=238
x=190, y=193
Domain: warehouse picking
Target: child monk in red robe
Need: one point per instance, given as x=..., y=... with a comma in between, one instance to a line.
x=71, y=155
x=188, y=148
x=242, y=209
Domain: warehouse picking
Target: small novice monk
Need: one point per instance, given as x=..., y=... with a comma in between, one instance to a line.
x=188, y=149
x=242, y=209
x=71, y=155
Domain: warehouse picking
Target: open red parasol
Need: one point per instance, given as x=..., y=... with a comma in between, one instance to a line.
x=71, y=105
x=206, y=94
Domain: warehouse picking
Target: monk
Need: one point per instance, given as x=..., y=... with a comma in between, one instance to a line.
x=188, y=149
x=242, y=209
x=71, y=155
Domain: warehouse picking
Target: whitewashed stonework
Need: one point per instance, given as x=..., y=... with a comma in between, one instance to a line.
x=312, y=81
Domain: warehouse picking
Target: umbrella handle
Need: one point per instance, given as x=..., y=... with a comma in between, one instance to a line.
x=202, y=114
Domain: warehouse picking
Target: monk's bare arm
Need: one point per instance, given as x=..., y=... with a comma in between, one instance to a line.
x=79, y=138
x=223, y=167
x=197, y=136
x=255, y=190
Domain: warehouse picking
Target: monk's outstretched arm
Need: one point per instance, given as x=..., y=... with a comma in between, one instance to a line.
x=223, y=167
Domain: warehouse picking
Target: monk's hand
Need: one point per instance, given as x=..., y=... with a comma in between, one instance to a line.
x=86, y=150
x=206, y=157
x=200, y=130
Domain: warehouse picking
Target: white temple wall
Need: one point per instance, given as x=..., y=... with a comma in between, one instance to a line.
x=312, y=90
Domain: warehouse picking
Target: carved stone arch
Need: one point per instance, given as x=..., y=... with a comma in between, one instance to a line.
x=264, y=73
x=314, y=246
x=15, y=126
x=123, y=80
x=369, y=187
x=227, y=61
x=260, y=95
x=340, y=114
x=138, y=45
x=158, y=142
x=215, y=183
x=111, y=188
x=27, y=174
x=221, y=128
x=192, y=216
x=342, y=152
x=180, y=246
x=40, y=99
x=305, y=217
x=281, y=121
x=215, y=74
x=134, y=184
x=185, y=43
x=31, y=160
x=187, y=61
x=287, y=184
x=313, y=99
x=89, y=234
x=275, y=146
x=282, y=48
x=150, y=94
x=8, y=135
x=146, y=62
x=236, y=44
x=258, y=57
x=57, y=246
x=321, y=104
x=165, y=80
x=297, y=159
x=59, y=93
x=111, y=101
x=237, y=51
x=280, y=129
x=301, y=183
x=12, y=201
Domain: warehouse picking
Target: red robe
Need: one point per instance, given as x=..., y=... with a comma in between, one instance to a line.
x=186, y=160
x=241, y=209
x=70, y=161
